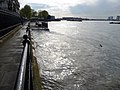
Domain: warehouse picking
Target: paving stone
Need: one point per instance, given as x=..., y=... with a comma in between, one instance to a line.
x=17, y=59
x=4, y=54
x=10, y=56
x=9, y=67
x=6, y=88
x=4, y=60
x=1, y=75
x=9, y=79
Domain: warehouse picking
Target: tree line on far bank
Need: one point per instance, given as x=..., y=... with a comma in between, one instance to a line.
x=27, y=12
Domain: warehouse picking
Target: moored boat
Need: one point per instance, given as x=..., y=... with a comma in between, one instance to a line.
x=114, y=22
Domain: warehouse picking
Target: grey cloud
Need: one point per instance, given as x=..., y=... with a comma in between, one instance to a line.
x=37, y=6
x=102, y=7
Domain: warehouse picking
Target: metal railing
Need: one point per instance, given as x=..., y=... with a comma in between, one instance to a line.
x=8, y=29
x=24, y=77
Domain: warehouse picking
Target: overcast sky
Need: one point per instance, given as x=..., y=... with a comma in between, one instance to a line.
x=80, y=8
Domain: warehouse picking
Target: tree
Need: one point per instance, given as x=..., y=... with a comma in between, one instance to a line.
x=40, y=14
x=43, y=14
x=34, y=13
x=26, y=12
x=22, y=12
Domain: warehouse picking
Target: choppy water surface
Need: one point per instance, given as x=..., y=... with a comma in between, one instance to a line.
x=79, y=56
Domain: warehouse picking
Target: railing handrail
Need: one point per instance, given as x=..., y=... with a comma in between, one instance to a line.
x=22, y=70
x=24, y=76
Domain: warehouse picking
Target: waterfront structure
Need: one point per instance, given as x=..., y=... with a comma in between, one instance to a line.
x=72, y=18
x=52, y=17
x=12, y=5
x=49, y=18
x=9, y=15
x=4, y=4
x=110, y=18
x=118, y=18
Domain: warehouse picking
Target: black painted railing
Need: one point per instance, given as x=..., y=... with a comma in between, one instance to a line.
x=24, y=77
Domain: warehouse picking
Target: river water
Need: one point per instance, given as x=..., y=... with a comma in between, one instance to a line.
x=79, y=56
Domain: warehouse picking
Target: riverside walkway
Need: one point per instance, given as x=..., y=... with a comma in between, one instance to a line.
x=10, y=56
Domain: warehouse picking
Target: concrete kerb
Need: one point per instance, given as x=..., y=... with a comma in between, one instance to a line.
x=36, y=80
x=35, y=70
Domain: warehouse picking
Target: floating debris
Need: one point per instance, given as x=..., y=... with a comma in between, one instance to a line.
x=101, y=45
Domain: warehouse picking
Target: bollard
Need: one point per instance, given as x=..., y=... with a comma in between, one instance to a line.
x=29, y=24
x=26, y=40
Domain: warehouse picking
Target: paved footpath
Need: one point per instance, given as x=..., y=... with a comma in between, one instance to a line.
x=10, y=55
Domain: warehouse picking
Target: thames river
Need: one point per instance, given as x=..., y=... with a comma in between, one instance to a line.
x=79, y=55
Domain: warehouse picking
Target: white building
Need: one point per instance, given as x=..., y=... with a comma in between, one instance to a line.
x=118, y=18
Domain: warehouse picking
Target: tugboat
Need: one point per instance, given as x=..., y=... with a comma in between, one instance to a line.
x=9, y=15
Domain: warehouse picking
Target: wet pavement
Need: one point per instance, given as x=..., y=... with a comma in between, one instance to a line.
x=10, y=55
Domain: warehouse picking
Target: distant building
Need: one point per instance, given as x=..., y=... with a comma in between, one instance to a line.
x=118, y=18
x=72, y=18
x=110, y=18
x=51, y=17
